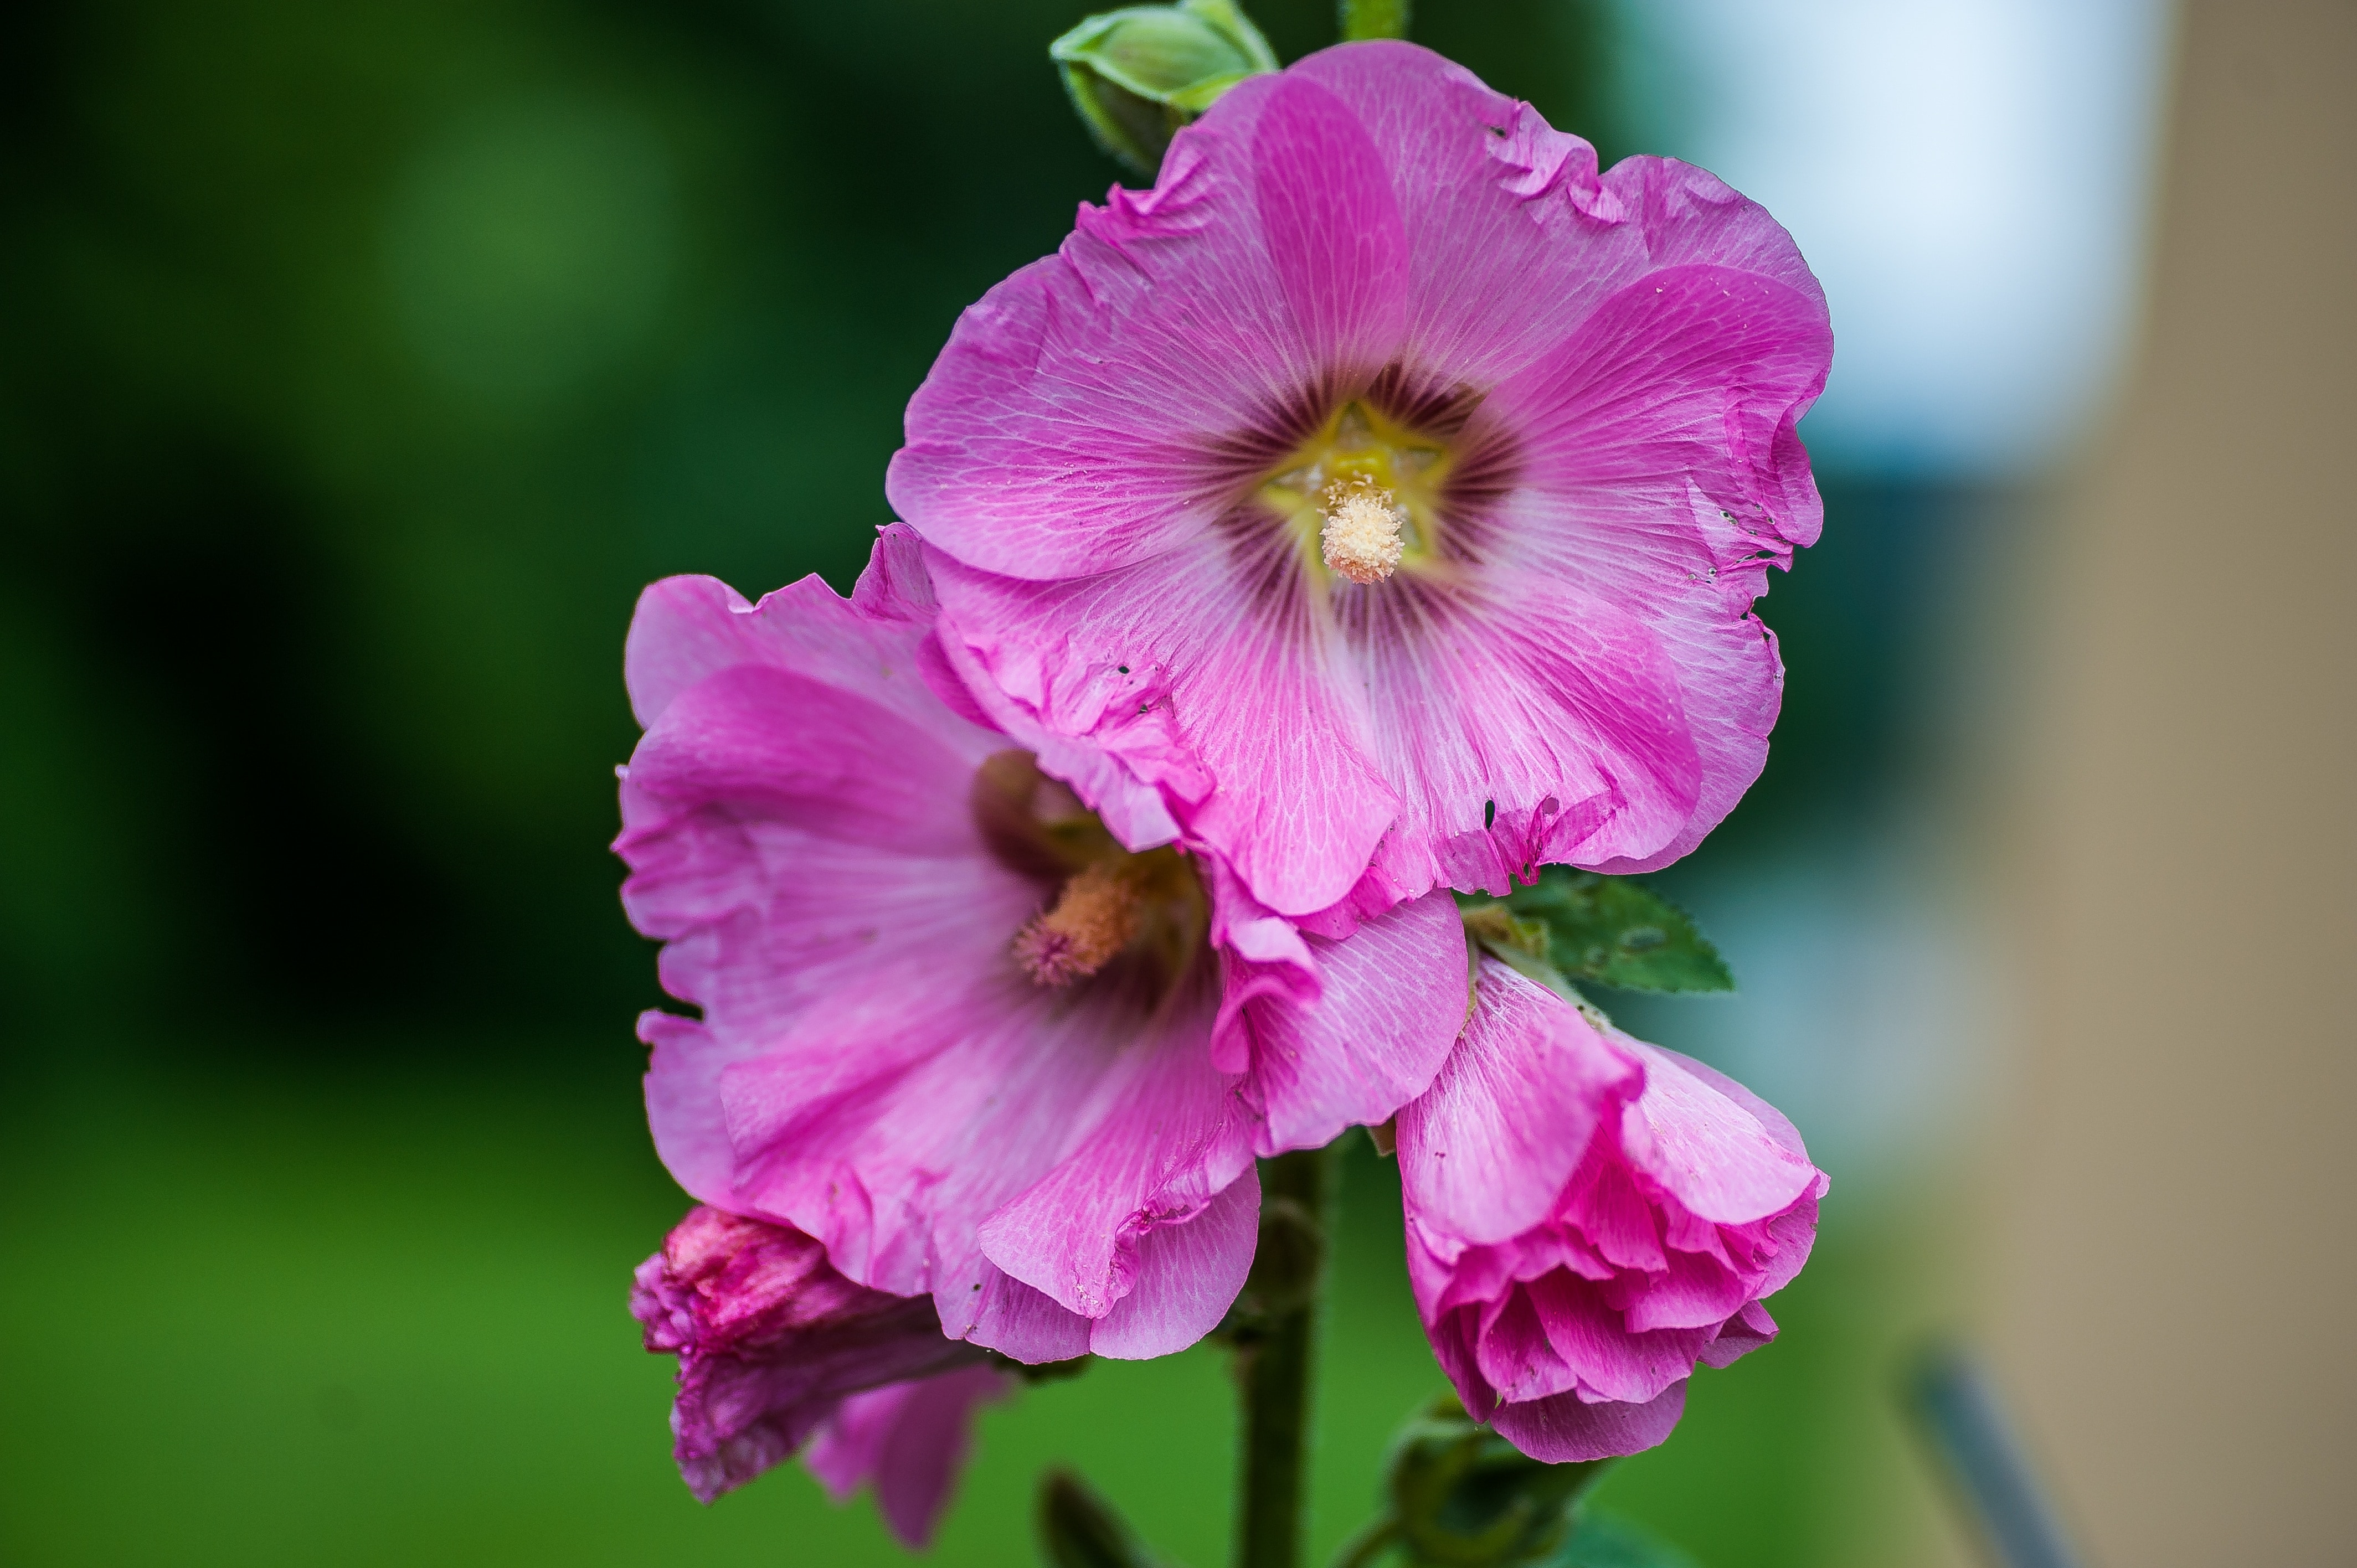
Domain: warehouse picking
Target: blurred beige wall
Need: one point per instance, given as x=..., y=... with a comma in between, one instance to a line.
x=2175, y=1295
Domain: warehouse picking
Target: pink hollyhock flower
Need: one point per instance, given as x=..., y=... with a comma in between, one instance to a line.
x=977, y=1040
x=1588, y=1217
x=1419, y=476
x=776, y=1349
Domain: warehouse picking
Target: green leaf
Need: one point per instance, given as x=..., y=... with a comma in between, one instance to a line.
x=1613, y=931
x=1601, y=1541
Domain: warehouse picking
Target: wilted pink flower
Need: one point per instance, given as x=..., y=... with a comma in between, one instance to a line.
x=1419, y=476
x=1588, y=1217
x=908, y=1440
x=776, y=1349
x=978, y=1041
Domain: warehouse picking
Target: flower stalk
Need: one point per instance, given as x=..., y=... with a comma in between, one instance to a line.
x=1373, y=19
x=1274, y=1359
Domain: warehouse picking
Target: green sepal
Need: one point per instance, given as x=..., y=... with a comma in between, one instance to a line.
x=1610, y=930
x=1463, y=1497
x=1137, y=76
x=1079, y=1528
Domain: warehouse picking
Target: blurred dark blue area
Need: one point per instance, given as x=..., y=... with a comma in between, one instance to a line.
x=358, y=364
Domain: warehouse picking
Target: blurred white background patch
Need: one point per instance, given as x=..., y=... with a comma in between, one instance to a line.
x=1968, y=178
x=1869, y=1008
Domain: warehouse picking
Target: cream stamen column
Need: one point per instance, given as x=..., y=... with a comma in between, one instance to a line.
x=1362, y=536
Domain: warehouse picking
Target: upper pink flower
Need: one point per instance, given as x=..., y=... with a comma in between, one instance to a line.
x=1589, y=1217
x=776, y=1350
x=1420, y=476
x=980, y=1042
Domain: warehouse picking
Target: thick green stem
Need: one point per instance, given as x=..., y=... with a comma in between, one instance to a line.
x=1273, y=1368
x=1374, y=19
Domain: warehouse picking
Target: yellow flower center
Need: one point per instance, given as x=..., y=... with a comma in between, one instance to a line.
x=1363, y=496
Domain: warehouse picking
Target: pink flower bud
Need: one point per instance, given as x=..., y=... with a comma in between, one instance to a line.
x=1588, y=1219
x=776, y=1349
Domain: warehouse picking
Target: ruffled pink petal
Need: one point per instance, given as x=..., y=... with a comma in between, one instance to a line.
x=1711, y=1153
x=1691, y=218
x=772, y=742
x=1332, y=226
x=991, y=1308
x=1514, y=1353
x=752, y=945
x=1793, y=1233
x=1453, y=1336
x=1390, y=1002
x=1772, y=1122
x=754, y=813
x=687, y=629
x=778, y=828
x=1063, y=427
x=1007, y=1139
x=1614, y=1217
x=1564, y=740
x=1666, y=407
x=1300, y=805
x=1610, y=1360
x=909, y=1441
x=1485, y=193
x=1484, y=1152
x=1265, y=960
x=1162, y=1141
x=683, y=1092
x=1132, y=769
x=785, y=921
x=1189, y=1274
x=1747, y=1331
x=1565, y=1428
x=1692, y=1292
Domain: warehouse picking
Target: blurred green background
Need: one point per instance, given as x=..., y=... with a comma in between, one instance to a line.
x=358, y=365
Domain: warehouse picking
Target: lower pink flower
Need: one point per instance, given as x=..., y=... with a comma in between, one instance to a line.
x=908, y=1441
x=776, y=1350
x=967, y=1016
x=1588, y=1218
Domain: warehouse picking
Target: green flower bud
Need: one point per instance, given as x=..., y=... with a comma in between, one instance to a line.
x=1077, y=1528
x=1463, y=1497
x=1138, y=75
